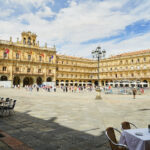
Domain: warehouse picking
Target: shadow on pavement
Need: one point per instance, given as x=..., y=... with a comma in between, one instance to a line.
x=48, y=135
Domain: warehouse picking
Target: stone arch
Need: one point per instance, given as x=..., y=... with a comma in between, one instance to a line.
x=27, y=81
x=39, y=81
x=49, y=79
x=96, y=83
x=145, y=83
x=67, y=82
x=57, y=82
x=16, y=80
x=4, y=78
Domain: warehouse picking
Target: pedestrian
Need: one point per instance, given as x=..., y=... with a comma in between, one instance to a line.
x=37, y=88
x=134, y=92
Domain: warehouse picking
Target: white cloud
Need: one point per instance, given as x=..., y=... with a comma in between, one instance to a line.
x=78, y=23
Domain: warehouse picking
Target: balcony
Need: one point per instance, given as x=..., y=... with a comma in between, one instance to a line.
x=4, y=72
x=27, y=73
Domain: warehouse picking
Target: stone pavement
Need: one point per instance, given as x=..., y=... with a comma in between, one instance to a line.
x=70, y=121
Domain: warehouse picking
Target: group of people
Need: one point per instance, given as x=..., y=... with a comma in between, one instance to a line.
x=76, y=88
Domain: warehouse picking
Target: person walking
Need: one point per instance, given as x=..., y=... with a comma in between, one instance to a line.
x=134, y=92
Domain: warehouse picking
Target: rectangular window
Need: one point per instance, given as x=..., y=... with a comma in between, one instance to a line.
x=29, y=57
x=17, y=69
x=28, y=70
x=4, y=68
x=17, y=55
x=40, y=58
x=5, y=55
x=49, y=71
x=39, y=70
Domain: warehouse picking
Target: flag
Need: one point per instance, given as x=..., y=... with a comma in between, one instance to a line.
x=42, y=55
x=52, y=57
x=6, y=50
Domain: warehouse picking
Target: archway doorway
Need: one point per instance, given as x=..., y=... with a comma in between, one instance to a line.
x=16, y=81
x=27, y=81
x=39, y=81
x=57, y=82
x=49, y=79
x=96, y=83
x=67, y=82
x=145, y=83
x=4, y=78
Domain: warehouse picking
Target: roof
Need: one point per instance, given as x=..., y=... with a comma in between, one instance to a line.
x=132, y=53
x=73, y=57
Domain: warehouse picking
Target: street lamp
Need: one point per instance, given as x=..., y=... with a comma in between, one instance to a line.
x=99, y=54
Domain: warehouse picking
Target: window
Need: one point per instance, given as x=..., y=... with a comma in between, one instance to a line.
x=29, y=41
x=62, y=62
x=17, y=69
x=40, y=58
x=5, y=55
x=24, y=41
x=4, y=68
x=28, y=70
x=50, y=60
x=144, y=59
x=39, y=70
x=132, y=75
x=132, y=61
x=49, y=71
x=17, y=55
x=116, y=75
x=29, y=57
x=138, y=60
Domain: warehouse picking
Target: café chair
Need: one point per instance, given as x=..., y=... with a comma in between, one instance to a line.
x=127, y=125
x=110, y=134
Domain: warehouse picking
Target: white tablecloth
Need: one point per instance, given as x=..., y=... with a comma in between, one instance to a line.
x=136, y=142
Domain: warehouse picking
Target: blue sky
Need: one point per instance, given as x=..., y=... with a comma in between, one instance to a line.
x=77, y=27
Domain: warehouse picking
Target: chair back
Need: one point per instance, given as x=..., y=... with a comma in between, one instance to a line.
x=14, y=103
x=125, y=125
x=7, y=99
x=111, y=137
x=110, y=133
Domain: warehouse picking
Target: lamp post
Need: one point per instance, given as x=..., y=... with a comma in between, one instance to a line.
x=99, y=54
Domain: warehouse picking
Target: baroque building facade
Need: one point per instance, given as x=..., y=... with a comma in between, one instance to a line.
x=25, y=63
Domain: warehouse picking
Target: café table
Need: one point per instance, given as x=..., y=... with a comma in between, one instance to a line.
x=136, y=139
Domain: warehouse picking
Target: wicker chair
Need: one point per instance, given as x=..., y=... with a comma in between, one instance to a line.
x=127, y=125
x=110, y=134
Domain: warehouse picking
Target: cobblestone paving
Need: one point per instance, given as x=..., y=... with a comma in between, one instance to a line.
x=70, y=121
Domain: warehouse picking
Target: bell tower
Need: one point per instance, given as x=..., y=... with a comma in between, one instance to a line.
x=28, y=38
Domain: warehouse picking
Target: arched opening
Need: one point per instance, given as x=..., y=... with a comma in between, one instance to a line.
x=29, y=41
x=80, y=83
x=121, y=83
x=16, y=81
x=89, y=82
x=24, y=41
x=71, y=83
x=106, y=83
x=39, y=81
x=62, y=82
x=96, y=83
x=102, y=83
x=27, y=81
x=76, y=83
x=67, y=82
x=4, y=78
x=145, y=83
x=49, y=79
x=57, y=82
